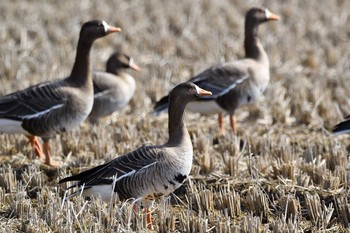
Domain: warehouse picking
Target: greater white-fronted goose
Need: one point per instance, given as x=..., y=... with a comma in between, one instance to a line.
x=114, y=88
x=150, y=171
x=234, y=83
x=342, y=127
x=53, y=107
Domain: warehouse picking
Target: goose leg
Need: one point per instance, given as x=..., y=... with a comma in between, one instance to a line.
x=135, y=208
x=148, y=216
x=233, y=123
x=220, y=121
x=148, y=219
x=36, y=146
x=47, y=152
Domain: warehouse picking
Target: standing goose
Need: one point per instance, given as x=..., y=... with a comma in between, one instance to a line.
x=234, y=83
x=342, y=127
x=52, y=107
x=114, y=88
x=150, y=171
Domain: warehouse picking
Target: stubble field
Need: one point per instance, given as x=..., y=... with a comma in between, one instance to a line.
x=282, y=172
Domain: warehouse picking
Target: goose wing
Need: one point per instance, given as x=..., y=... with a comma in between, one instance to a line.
x=102, y=84
x=121, y=167
x=218, y=79
x=32, y=102
x=342, y=127
x=221, y=79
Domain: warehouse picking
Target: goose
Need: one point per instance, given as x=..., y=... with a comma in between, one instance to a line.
x=342, y=127
x=54, y=107
x=150, y=171
x=235, y=83
x=114, y=88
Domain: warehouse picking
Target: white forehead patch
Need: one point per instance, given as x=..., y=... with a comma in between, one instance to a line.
x=197, y=89
x=131, y=61
x=105, y=25
x=267, y=13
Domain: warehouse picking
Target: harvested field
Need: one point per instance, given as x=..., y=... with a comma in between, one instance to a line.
x=283, y=172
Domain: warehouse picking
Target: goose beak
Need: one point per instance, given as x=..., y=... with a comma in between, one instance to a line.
x=202, y=92
x=111, y=29
x=133, y=66
x=271, y=16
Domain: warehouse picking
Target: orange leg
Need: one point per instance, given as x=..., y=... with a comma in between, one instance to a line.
x=135, y=208
x=233, y=124
x=148, y=219
x=220, y=121
x=148, y=216
x=36, y=146
x=47, y=159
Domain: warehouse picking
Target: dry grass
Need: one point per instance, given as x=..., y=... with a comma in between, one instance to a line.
x=284, y=172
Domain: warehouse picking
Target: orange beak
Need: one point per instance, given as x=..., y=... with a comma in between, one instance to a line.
x=202, y=92
x=112, y=29
x=271, y=16
x=133, y=66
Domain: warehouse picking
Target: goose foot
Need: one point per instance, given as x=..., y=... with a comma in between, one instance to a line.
x=36, y=146
x=48, y=160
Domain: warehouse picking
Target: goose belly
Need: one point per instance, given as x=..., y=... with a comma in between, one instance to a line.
x=152, y=184
x=250, y=96
x=99, y=191
x=73, y=117
x=204, y=107
x=169, y=181
x=73, y=121
x=163, y=185
x=11, y=127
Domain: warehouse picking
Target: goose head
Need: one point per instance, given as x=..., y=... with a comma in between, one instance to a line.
x=119, y=61
x=256, y=16
x=187, y=92
x=95, y=29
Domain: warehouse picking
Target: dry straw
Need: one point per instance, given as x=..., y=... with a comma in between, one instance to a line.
x=284, y=172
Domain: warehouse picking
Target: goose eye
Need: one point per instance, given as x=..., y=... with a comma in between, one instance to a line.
x=195, y=91
x=191, y=91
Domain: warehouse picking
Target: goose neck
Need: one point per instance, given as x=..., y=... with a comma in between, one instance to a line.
x=81, y=72
x=252, y=45
x=178, y=134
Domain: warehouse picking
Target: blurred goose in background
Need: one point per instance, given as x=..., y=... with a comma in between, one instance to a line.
x=54, y=107
x=342, y=127
x=234, y=83
x=114, y=88
x=150, y=171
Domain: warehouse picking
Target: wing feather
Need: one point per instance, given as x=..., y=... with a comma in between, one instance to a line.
x=342, y=127
x=31, y=102
x=118, y=168
x=221, y=79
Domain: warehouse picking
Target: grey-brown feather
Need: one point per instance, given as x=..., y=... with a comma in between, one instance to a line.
x=114, y=88
x=141, y=172
x=111, y=93
x=44, y=108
